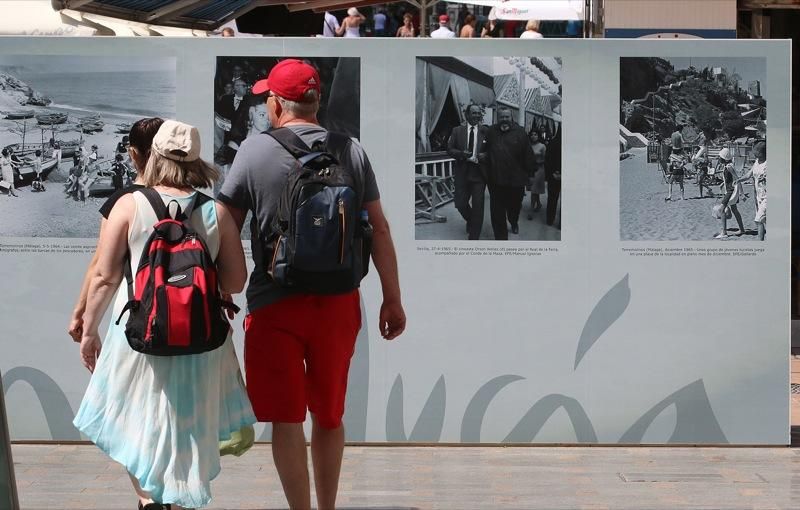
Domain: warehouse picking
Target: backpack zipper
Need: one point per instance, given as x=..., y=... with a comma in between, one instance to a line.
x=275, y=254
x=343, y=223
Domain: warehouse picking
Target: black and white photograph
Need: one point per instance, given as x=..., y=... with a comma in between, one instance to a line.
x=238, y=113
x=488, y=148
x=64, y=124
x=693, y=149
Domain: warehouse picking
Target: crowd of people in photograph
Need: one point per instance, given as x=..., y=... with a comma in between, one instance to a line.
x=508, y=161
x=387, y=21
x=90, y=173
x=693, y=158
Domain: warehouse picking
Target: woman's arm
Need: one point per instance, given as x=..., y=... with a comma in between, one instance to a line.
x=231, y=267
x=341, y=28
x=75, y=328
x=112, y=248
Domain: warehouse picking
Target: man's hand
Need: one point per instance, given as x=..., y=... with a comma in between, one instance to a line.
x=90, y=350
x=392, y=320
x=227, y=297
x=75, y=328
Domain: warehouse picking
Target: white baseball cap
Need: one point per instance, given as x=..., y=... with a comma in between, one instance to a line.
x=177, y=141
x=725, y=154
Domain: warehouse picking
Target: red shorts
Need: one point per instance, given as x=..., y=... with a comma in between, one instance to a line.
x=297, y=355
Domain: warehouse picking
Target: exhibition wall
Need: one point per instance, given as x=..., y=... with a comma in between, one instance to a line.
x=617, y=314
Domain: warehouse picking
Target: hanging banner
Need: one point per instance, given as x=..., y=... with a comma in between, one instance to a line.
x=580, y=226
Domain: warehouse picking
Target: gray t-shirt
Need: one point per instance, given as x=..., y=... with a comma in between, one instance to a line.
x=255, y=183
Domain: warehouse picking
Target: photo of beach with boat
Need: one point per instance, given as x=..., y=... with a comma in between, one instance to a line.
x=693, y=149
x=64, y=122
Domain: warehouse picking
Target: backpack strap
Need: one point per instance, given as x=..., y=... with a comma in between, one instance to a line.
x=289, y=140
x=338, y=145
x=156, y=203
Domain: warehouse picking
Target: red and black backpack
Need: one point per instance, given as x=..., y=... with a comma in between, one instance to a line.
x=174, y=300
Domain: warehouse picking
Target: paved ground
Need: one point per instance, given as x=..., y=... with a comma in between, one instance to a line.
x=79, y=477
x=63, y=477
x=534, y=229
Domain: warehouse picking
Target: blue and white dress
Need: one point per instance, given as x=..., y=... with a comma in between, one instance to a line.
x=163, y=417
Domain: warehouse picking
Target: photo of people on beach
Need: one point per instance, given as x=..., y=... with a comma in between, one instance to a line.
x=64, y=122
x=693, y=149
x=239, y=114
x=488, y=149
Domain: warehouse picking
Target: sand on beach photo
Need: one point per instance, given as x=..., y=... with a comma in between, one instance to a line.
x=688, y=110
x=646, y=216
x=109, y=92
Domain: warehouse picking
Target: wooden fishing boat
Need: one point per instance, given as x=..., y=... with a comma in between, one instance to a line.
x=49, y=119
x=25, y=172
x=124, y=128
x=20, y=114
x=90, y=125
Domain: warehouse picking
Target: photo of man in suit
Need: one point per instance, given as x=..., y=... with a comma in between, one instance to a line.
x=511, y=164
x=235, y=108
x=467, y=146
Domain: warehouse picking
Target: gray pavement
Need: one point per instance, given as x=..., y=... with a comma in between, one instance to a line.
x=55, y=476
x=535, y=229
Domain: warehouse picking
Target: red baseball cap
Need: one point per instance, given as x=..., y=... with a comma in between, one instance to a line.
x=444, y=18
x=289, y=79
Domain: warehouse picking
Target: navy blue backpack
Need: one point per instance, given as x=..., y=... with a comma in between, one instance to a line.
x=320, y=240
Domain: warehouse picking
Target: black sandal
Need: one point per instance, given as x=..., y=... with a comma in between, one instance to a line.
x=153, y=506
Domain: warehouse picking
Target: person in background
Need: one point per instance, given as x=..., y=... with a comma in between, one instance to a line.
x=38, y=185
x=732, y=190
x=468, y=30
x=57, y=153
x=122, y=145
x=118, y=168
x=758, y=172
x=443, y=32
x=330, y=25
x=162, y=417
x=511, y=164
x=466, y=146
x=7, y=172
x=407, y=30
x=492, y=29
x=552, y=168
x=531, y=30
x=379, y=23
x=228, y=32
x=537, y=181
x=351, y=25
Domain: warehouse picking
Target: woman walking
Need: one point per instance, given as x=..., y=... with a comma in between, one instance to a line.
x=7, y=172
x=162, y=417
x=758, y=172
x=537, y=181
x=732, y=190
x=139, y=141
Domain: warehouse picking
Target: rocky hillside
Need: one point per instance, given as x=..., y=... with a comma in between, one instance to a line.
x=655, y=97
x=15, y=92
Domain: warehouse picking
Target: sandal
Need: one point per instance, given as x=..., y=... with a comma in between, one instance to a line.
x=153, y=506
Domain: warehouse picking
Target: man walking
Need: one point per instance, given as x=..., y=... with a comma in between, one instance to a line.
x=443, y=32
x=298, y=345
x=466, y=146
x=512, y=163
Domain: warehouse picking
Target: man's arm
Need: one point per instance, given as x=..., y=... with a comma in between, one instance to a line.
x=392, y=320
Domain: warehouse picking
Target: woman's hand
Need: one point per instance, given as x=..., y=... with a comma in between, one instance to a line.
x=75, y=328
x=90, y=350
